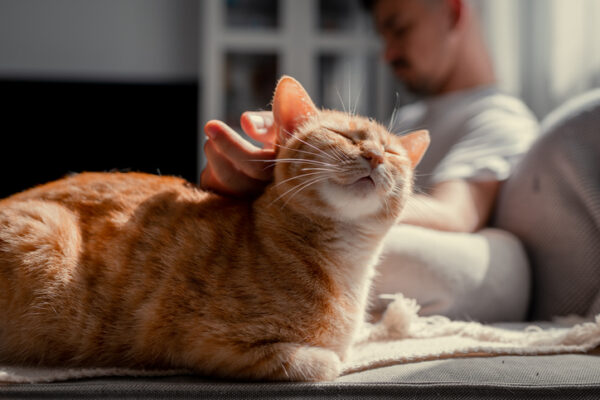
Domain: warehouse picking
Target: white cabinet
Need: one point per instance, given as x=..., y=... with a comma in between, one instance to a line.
x=328, y=45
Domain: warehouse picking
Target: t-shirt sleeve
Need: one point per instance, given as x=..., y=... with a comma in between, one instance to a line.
x=496, y=137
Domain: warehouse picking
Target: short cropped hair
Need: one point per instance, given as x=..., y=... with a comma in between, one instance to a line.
x=368, y=4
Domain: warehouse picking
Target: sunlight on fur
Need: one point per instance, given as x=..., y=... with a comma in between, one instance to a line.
x=136, y=270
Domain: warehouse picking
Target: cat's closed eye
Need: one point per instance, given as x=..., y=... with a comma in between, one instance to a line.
x=391, y=150
x=348, y=138
x=342, y=134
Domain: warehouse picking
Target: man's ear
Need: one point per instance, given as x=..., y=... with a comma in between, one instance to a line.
x=291, y=107
x=415, y=144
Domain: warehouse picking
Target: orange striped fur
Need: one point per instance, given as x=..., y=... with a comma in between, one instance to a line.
x=136, y=270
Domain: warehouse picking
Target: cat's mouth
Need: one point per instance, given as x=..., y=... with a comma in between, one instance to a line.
x=361, y=184
x=364, y=184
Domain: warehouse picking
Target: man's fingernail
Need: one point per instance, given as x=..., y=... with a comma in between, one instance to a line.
x=210, y=132
x=257, y=121
x=261, y=124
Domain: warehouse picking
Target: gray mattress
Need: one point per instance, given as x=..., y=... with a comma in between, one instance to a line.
x=571, y=376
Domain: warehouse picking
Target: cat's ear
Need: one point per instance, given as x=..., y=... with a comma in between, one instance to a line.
x=291, y=107
x=415, y=144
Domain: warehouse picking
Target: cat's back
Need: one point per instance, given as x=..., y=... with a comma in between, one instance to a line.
x=95, y=199
x=92, y=215
x=105, y=188
x=84, y=219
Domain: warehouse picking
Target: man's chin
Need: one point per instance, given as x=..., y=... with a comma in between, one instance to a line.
x=419, y=89
x=416, y=86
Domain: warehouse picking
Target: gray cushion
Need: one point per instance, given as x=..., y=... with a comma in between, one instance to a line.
x=552, y=203
x=543, y=377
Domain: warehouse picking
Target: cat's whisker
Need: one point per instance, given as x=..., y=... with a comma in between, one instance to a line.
x=340, y=97
x=296, y=161
x=392, y=122
x=297, y=150
x=311, y=145
x=350, y=87
x=340, y=154
x=314, y=179
x=336, y=155
x=420, y=191
x=424, y=206
x=299, y=176
x=422, y=175
x=358, y=99
x=337, y=169
x=304, y=186
x=423, y=190
x=274, y=163
x=307, y=152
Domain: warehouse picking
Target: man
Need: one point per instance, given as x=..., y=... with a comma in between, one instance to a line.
x=435, y=47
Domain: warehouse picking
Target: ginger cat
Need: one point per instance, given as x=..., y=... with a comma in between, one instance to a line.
x=136, y=270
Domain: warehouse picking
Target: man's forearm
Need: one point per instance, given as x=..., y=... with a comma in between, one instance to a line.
x=428, y=212
x=454, y=206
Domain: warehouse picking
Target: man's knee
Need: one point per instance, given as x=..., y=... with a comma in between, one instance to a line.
x=449, y=273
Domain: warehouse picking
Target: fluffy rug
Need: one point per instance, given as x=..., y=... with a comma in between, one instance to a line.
x=402, y=336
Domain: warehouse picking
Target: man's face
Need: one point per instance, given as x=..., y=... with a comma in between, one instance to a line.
x=418, y=43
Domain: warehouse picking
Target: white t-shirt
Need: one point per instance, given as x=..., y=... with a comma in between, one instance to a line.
x=476, y=134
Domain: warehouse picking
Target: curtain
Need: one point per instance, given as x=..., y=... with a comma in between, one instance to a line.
x=544, y=51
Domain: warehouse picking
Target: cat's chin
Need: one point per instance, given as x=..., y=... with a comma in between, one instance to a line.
x=354, y=200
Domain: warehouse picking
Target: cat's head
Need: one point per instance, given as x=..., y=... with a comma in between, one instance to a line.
x=339, y=165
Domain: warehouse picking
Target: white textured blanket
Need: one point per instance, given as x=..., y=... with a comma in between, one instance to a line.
x=401, y=337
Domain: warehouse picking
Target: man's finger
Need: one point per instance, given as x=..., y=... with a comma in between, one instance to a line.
x=208, y=181
x=222, y=177
x=242, y=155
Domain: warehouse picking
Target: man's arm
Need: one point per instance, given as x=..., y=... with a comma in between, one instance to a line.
x=454, y=206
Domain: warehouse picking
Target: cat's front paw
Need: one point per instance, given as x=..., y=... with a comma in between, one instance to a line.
x=315, y=364
x=302, y=363
x=293, y=362
x=285, y=362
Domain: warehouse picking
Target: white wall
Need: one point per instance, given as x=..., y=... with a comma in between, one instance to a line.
x=140, y=40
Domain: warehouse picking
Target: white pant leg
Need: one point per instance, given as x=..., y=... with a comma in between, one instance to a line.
x=483, y=276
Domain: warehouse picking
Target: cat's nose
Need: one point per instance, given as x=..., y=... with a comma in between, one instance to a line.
x=374, y=157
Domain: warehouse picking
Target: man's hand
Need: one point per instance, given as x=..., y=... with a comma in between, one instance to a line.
x=235, y=166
